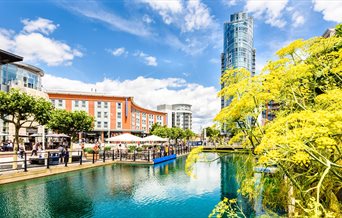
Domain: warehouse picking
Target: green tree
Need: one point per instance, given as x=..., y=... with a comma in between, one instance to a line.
x=23, y=110
x=154, y=126
x=304, y=140
x=212, y=133
x=161, y=131
x=176, y=133
x=71, y=123
x=188, y=134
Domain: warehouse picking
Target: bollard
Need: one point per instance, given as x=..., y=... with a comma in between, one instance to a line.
x=120, y=152
x=148, y=155
x=48, y=160
x=154, y=154
x=113, y=157
x=25, y=162
x=104, y=155
x=93, y=156
x=134, y=155
x=81, y=157
x=66, y=160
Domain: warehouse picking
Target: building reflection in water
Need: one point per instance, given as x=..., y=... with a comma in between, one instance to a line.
x=230, y=165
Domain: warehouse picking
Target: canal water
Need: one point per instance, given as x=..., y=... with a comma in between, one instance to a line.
x=159, y=191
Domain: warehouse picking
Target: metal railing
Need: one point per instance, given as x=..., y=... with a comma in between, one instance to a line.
x=46, y=159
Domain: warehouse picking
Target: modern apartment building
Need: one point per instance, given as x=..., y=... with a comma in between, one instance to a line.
x=178, y=115
x=113, y=114
x=238, y=50
x=27, y=78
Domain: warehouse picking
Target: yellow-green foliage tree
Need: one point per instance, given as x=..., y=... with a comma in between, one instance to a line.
x=304, y=140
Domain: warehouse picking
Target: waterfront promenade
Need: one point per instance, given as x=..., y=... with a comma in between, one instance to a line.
x=34, y=167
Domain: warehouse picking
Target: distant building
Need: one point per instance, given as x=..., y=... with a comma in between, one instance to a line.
x=238, y=50
x=178, y=115
x=113, y=114
x=329, y=33
x=27, y=78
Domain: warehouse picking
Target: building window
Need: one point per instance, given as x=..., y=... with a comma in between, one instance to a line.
x=76, y=103
x=84, y=104
x=53, y=101
x=119, y=105
x=150, y=116
x=99, y=104
x=119, y=115
x=99, y=114
x=105, y=114
x=119, y=125
x=144, y=115
x=60, y=103
x=105, y=124
x=98, y=124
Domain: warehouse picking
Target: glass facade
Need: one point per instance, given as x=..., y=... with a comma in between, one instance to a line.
x=238, y=50
x=12, y=74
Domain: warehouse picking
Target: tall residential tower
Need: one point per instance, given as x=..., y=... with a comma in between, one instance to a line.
x=238, y=50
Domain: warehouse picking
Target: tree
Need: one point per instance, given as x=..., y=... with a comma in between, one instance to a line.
x=188, y=134
x=176, y=133
x=154, y=126
x=304, y=140
x=23, y=110
x=161, y=131
x=212, y=133
x=71, y=123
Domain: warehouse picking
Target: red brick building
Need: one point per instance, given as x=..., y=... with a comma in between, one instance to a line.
x=112, y=114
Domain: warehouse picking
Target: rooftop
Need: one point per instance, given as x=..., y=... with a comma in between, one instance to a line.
x=7, y=57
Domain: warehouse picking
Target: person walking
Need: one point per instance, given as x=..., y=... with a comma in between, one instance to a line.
x=21, y=150
x=66, y=156
x=34, y=149
x=61, y=152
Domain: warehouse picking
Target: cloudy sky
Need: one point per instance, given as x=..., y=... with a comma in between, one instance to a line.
x=159, y=51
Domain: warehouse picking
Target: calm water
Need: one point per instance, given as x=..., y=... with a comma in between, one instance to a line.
x=163, y=190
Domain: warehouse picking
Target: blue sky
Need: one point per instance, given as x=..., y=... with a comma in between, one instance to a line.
x=169, y=49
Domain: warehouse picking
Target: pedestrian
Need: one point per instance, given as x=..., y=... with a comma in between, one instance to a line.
x=34, y=149
x=61, y=152
x=66, y=155
x=21, y=150
x=96, y=150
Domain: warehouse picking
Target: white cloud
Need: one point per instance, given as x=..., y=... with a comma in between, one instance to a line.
x=270, y=11
x=36, y=47
x=197, y=17
x=230, y=2
x=193, y=15
x=150, y=92
x=6, y=43
x=331, y=10
x=119, y=51
x=149, y=60
x=41, y=25
x=297, y=19
x=147, y=19
x=166, y=9
x=214, y=61
x=94, y=10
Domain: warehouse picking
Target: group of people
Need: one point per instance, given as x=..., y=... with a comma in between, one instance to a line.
x=7, y=146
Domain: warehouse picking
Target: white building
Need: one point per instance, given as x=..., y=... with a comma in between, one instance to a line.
x=27, y=78
x=178, y=115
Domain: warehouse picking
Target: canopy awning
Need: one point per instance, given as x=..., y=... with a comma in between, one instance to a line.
x=154, y=138
x=126, y=137
x=57, y=136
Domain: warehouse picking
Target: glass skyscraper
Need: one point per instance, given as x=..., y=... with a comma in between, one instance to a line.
x=238, y=50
